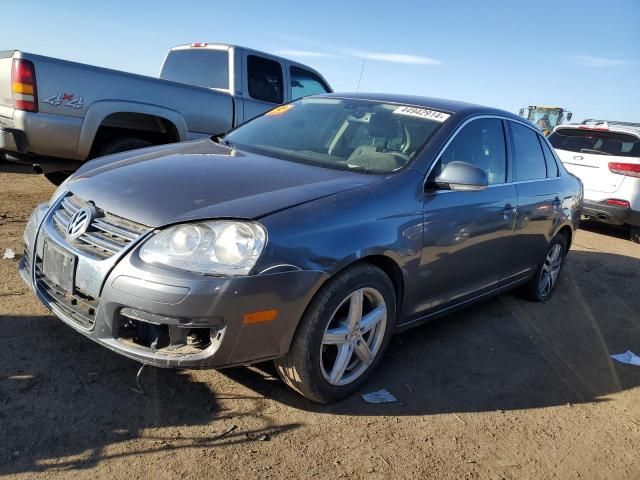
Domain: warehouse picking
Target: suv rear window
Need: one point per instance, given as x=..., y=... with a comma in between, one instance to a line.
x=596, y=141
x=203, y=67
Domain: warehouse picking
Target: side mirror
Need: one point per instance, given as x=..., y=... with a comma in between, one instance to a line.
x=569, y=115
x=522, y=112
x=462, y=177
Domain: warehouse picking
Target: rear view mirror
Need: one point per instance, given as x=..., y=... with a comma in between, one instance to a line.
x=569, y=115
x=522, y=112
x=463, y=177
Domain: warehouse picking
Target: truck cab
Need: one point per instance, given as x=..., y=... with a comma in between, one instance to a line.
x=258, y=81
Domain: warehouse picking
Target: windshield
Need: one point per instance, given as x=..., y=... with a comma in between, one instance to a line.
x=345, y=134
x=595, y=141
x=545, y=119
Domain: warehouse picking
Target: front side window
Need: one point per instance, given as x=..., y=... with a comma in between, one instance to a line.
x=480, y=143
x=265, y=79
x=530, y=162
x=305, y=83
x=357, y=135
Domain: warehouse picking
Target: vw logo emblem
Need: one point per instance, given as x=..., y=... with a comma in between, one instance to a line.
x=79, y=223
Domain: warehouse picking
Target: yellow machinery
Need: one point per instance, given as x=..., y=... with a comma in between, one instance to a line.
x=545, y=118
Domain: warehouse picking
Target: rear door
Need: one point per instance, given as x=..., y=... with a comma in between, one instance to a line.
x=263, y=81
x=538, y=185
x=587, y=151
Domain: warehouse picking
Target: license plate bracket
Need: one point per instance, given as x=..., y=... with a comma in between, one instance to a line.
x=59, y=266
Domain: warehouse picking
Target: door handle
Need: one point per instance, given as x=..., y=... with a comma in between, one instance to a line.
x=508, y=211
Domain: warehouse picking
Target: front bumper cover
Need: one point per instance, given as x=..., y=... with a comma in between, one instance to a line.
x=184, y=300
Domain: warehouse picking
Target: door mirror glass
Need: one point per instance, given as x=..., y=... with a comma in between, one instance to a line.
x=522, y=112
x=569, y=115
x=462, y=176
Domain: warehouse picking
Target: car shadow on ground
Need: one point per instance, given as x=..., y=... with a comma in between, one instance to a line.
x=617, y=231
x=64, y=401
x=506, y=353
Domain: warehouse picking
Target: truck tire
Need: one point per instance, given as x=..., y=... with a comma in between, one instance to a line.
x=57, y=177
x=121, y=145
x=114, y=146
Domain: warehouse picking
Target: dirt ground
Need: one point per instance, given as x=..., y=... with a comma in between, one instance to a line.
x=506, y=389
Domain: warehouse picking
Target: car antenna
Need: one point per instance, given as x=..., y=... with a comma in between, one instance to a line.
x=361, y=71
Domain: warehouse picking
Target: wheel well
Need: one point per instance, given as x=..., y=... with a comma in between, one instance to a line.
x=154, y=129
x=393, y=271
x=568, y=234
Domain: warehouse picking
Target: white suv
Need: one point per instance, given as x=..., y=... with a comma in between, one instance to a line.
x=605, y=155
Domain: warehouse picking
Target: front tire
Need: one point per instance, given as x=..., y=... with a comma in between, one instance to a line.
x=343, y=335
x=541, y=287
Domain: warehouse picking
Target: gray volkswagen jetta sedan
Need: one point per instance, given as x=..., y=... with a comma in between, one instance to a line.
x=307, y=236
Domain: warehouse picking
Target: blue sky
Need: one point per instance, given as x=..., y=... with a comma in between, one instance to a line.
x=583, y=55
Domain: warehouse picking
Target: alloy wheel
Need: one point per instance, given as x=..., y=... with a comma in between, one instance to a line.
x=550, y=270
x=353, y=337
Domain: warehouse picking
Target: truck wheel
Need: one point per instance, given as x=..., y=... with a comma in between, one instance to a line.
x=634, y=234
x=57, y=177
x=121, y=145
x=343, y=335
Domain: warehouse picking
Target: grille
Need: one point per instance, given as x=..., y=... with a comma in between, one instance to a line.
x=107, y=235
x=81, y=308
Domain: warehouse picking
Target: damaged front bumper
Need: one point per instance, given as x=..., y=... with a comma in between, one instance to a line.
x=165, y=317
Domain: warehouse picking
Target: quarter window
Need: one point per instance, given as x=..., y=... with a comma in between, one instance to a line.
x=305, y=83
x=552, y=165
x=530, y=161
x=480, y=143
x=265, y=79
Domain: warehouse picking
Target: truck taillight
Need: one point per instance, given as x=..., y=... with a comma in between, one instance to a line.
x=629, y=169
x=23, y=86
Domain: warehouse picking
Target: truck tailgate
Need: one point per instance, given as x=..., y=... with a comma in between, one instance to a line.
x=6, y=100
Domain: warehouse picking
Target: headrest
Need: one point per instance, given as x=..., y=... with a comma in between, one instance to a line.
x=383, y=125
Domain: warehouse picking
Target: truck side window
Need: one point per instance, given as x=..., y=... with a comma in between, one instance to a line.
x=304, y=83
x=265, y=79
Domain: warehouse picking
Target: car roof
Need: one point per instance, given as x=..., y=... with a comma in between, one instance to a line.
x=450, y=106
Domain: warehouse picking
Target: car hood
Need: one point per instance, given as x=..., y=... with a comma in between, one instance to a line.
x=198, y=180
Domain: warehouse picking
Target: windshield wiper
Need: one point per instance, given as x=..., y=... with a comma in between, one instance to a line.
x=597, y=152
x=219, y=138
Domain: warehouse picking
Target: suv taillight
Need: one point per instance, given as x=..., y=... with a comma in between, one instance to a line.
x=629, y=169
x=23, y=86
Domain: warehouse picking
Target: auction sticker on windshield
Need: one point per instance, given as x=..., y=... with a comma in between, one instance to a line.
x=422, y=113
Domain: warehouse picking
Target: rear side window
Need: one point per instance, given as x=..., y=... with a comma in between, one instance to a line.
x=265, y=79
x=594, y=141
x=530, y=162
x=480, y=143
x=305, y=83
x=552, y=165
x=203, y=67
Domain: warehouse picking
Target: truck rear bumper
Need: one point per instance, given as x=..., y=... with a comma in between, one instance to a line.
x=13, y=140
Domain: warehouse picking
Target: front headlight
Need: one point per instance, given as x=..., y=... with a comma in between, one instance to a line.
x=216, y=247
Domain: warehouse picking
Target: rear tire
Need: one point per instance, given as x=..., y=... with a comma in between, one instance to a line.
x=541, y=287
x=350, y=320
x=121, y=145
x=58, y=177
x=114, y=146
x=634, y=234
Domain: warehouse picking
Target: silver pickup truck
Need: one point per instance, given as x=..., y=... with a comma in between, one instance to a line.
x=55, y=114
